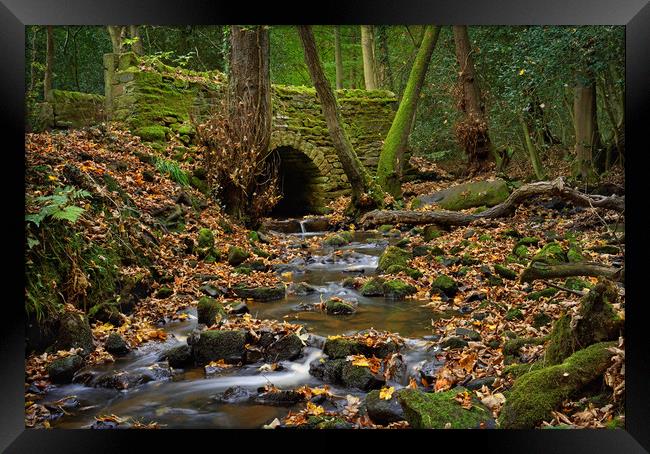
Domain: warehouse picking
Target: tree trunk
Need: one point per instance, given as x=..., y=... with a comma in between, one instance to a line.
x=526, y=192
x=248, y=104
x=391, y=158
x=383, y=62
x=532, y=151
x=472, y=132
x=365, y=193
x=134, y=33
x=540, y=270
x=586, y=124
x=338, y=57
x=49, y=64
x=116, y=32
x=32, y=65
x=368, y=51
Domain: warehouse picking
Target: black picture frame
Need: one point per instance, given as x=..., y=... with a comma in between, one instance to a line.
x=634, y=14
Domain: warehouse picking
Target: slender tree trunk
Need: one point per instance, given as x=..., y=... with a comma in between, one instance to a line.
x=365, y=194
x=32, y=66
x=391, y=158
x=586, y=124
x=338, y=57
x=249, y=97
x=532, y=151
x=49, y=64
x=134, y=33
x=385, y=72
x=116, y=33
x=368, y=51
x=472, y=132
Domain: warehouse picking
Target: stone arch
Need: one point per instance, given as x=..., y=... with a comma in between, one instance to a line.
x=305, y=172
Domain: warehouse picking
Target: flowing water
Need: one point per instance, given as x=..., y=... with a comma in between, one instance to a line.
x=186, y=400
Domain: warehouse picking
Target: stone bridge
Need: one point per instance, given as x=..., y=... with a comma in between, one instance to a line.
x=155, y=101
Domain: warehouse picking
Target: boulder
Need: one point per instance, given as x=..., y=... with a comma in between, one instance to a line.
x=288, y=347
x=445, y=285
x=440, y=410
x=208, y=310
x=213, y=345
x=237, y=256
x=261, y=293
x=116, y=345
x=360, y=377
x=74, y=332
x=178, y=357
x=339, y=307
x=393, y=256
x=397, y=289
x=468, y=195
x=373, y=287
x=63, y=369
x=383, y=411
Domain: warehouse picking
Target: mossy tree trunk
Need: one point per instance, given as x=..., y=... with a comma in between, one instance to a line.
x=532, y=151
x=365, y=193
x=586, y=127
x=338, y=58
x=391, y=158
x=134, y=33
x=49, y=64
x=368, y=52
x=472, y=131
x=116, y=32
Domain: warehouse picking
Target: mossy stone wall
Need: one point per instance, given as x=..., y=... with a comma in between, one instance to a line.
x=163, y=98
x=72, y=109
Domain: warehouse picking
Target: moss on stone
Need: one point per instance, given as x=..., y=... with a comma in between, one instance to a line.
x=213, y=345
x=535, y=394
x=431, y=232
x=393, y=256
x=514, y=314
x=338, y=307
x=373, y=287
x=208, y=309
x=545, y=293
x=552, y=254
x=441, y=410
x=476, y=194
x=153, y=133
x=445, y=284
x=597, y=321
x=277, y=292
x=398, y=289
x=505, y=272
x=335, y=240
x=206, y=238
x=236, y=255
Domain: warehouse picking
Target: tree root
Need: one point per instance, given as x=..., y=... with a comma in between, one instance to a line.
x=542, y=188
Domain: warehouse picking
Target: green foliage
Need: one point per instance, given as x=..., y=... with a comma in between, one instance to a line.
x=59, y=206
x=171, y=169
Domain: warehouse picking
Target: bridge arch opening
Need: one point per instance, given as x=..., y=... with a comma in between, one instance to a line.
x=299, y=182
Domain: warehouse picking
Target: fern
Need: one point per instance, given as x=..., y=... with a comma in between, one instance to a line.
x=59, y=205
x=173, y=171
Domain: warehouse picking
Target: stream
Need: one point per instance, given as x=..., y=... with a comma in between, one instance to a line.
x=187, y=398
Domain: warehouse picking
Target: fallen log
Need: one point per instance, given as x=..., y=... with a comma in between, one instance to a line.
x=539, y=270
x=555, y=188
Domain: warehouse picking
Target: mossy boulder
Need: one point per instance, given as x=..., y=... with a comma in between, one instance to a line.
x=213, y=345
x=178, y=357
x=208, y=310
x=341, y=347
x=385, y=228
x=206, y=239
x=152, y=133
x=116, y=345
x=335, y=306
x=164, y=292
x=360, y=377
x=476, y=194
x=597, y=321
x=575, y=283
x=373, y=287
x=393, y=256
x=327, y=422
x=63, y=369
x=536, y=394
x=505, y=272
x=277, y=292
x=287, y=348
x=411, y=272
x=237, y=256
x=398, y=289
x=74, y=332
x=445, y=284
x=441, y=410
x=514, y=314
x=422, y=251
x=382, y=411
x=431, y=232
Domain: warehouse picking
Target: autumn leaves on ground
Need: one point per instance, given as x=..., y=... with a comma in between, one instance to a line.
x=134, y=249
